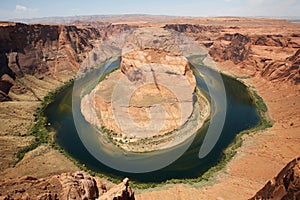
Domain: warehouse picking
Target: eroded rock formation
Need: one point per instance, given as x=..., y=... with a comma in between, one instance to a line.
x=245, y=51
x=142, y=104
x=45, y=50
x=67, y=186
x=286, y=185
x=273, y=57
x=159, y=71
x=237, y=50
x=58, y=50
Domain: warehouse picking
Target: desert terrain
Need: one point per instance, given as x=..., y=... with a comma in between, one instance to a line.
x=36, y=59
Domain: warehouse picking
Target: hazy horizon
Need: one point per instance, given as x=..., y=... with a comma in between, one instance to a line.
x=28, y=9
x=154, y=15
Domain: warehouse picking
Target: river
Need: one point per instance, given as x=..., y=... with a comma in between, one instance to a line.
x=241, y=114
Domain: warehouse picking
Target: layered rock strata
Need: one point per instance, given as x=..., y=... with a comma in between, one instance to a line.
x=152, y=96
x=54, y=51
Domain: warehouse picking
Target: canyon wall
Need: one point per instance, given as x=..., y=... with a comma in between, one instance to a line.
x=274, y=57
x=45, y=50
x=58, y=50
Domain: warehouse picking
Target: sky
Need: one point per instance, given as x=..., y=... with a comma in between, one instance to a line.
x=12, y=9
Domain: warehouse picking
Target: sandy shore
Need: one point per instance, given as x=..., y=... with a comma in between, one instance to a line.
x=262, y=155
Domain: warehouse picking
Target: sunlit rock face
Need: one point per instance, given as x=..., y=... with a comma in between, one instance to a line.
x=77, y=185
x=151, y=89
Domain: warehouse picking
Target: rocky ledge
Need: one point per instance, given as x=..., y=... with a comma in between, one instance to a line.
x=141, y=105
x=78, y=185
x=286, y=185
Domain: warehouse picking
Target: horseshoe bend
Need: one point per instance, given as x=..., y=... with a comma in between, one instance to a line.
x=150, y=103
x=137, y=106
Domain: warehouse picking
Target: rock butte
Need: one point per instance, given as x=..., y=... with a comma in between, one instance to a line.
x=144, y=99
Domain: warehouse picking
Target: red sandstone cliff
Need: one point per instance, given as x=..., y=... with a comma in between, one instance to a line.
x=46, y=50
x=286, y=185
x=53, y=50
x=274, y=57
